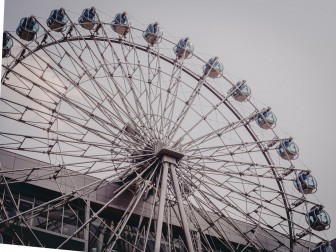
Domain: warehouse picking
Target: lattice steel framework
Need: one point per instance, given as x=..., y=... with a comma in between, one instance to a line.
x=132, y=114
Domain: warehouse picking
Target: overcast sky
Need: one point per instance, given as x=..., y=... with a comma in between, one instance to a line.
x=286, y=50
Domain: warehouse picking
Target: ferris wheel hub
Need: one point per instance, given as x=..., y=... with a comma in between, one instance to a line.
x=162, y=152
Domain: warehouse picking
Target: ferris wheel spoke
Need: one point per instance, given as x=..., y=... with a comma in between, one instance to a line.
x=231, y=126
x=59, y=201
x=152, y=209
x=207, y=199
x=250, y=195
x=170, y=122
x=120, y=228
x=55, y=93
x=54, y=172
x=118, y=192
x=219, y=156
x=214, y=133
x=233, y=196
x=204, y=214
x=141, y=227
x=245, y=173
x=186, y=108
x=45, y=145
x=86, y=71
x=89, y=97
x=189, y=102
x=247, y=164
x=54, y=65
x=67, y=118
x=235, y=148
x=74, y=154
x=17, y=139
x=127, y=76
x=154, y=76
x=124, y=219
x=127, y=214
x=215, y=230
x=195, y=222
x=136, y=72
x=128, y=80
x=172, y=91
x=49, y=143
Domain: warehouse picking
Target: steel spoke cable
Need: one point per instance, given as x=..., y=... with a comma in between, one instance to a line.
x=238, y=177
x=128, y=212
x=118, y=193
x=65, y=197
x=133, y=87
x=128, y=107
x=67, y=117
x=70, y=82
x=251, y=198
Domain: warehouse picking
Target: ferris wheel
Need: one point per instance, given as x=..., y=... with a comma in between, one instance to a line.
x=199, y=165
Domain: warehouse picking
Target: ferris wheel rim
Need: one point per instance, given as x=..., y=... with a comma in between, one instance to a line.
x=208, y=86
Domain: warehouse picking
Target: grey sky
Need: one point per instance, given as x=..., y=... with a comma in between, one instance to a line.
x=286, y=50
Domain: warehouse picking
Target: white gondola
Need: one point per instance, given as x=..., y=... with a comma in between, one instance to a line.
x=213, y=68
x=318, y=219
x=57, y=20
x=7, y=44
x=153, y=34
x=28, y=28
x=240, y=92
x=305, y=183
x=288, y=150
x=88, y=19
x=184, y=49
x=121, y=24
x=266, y=119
